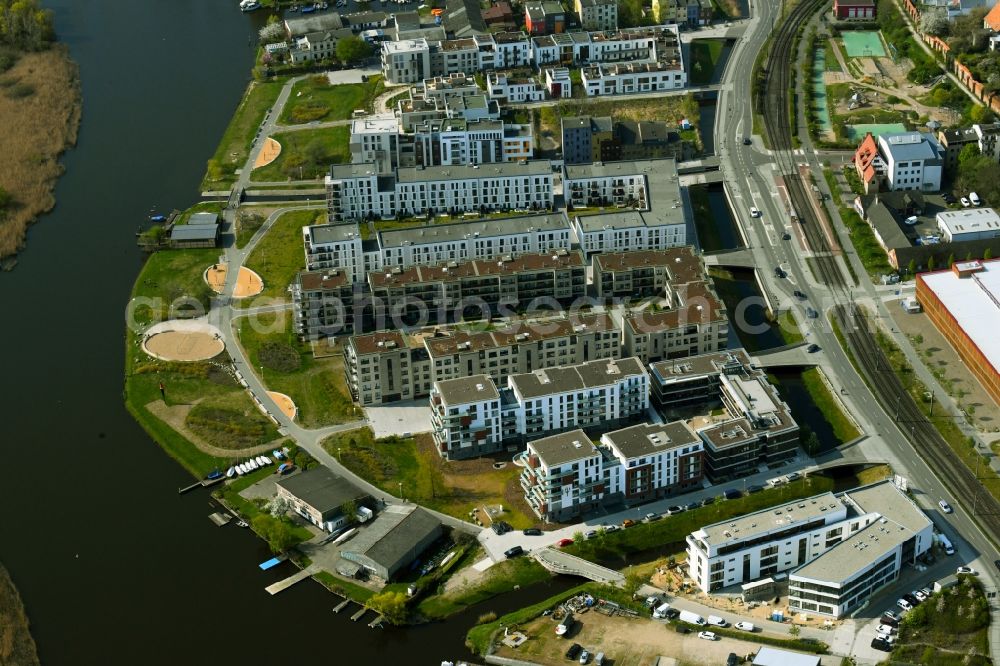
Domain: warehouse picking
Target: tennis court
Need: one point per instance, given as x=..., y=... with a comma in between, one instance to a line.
x=863, y=43
x=857, y=132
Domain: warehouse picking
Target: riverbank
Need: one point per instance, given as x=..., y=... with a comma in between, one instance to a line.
x=40, y=96
x=17, y=647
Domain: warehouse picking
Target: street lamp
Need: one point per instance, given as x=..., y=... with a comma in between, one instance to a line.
x=400, y=490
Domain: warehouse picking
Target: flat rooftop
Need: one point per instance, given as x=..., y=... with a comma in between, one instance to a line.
x=680, y=263
x=973, y=301
x=564, y=448
x=330, y=278
x=462, y=390
x=647, y=439
x=379, y=124
x=969, y=220
x=564, y=379
x=443, y=233
x=377, y=343
x=520, y=333
x=452, y=271
x=698, y=366
x=776, y=518
x=324, y=234
x=465, y=172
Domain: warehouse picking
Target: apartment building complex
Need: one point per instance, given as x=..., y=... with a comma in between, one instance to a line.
x=518, y=348
x=335, y=246
x=587, y=139
x=695, y=323
x=633, y=78
x=642, y=273
x=466, y=417
x=598, y=15
x=757, y=427
x=547, y=400
x=839, y=549
x=566, y=474
x=361, y=192
x=323, y=303
x=453, y=291
x=507, y=89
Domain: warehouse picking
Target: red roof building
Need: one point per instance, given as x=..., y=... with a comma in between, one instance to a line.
x=868, y=162
x=992, y=20
x=854, y=9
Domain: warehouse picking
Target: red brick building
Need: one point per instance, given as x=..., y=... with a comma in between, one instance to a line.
x=854, y=9
x=963, y=302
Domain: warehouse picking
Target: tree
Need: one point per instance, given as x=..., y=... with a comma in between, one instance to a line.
x=391, y=605
x=794, y=630
x=278, y=506
x=353, y=48
x=350, y=510
x=988, y=254
x=934, y=23
x=633, y=582
x=272, y=33
x=968, y=152
x=930, y=263
x=277, y=533
x=912, y=268
x=951, y=259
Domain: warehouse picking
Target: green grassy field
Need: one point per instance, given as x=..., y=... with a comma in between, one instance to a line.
x=500, y=578
x=317, y=386
x=843, y=427
x=234, y=147
x=307, y=154
x=451, y=487
x=279, y=256
x=167, y=277
x=949, y=629
x=704, y=58
x=315, y=99
x=831, y=62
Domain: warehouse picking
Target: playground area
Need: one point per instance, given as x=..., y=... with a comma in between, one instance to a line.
x=858, y=131
x=248, y=283
x=863, y=44
x=183, y=340
x=268, y=153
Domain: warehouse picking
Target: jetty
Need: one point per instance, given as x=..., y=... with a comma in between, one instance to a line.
x=220, y=519
x=204, y=483
x=283, y=585
x=376, y=623
x=342, y=605
x=357, y=616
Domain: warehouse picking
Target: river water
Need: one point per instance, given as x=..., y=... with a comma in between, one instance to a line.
x=113, y=565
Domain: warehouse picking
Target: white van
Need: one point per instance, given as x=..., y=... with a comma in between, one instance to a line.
x=946, y=544
x=660, y=612
x=716, y=621
x=974, y=198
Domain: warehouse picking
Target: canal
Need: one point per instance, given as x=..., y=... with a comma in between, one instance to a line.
x=113, y=565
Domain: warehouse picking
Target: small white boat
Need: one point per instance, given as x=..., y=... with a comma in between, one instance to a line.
x=251, y=464
x=239, y=470
x=278, y=455
x=260, y=461
x=267, y=461
x=231, y=472
x=249, y=5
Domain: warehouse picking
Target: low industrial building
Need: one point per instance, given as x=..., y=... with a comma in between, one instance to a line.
x=397, y=537
x=324, y=499
x=839, y=549
x=963, y=303
x=202, y=230
x=757, y=427
x=854, y=10
x=968, y=224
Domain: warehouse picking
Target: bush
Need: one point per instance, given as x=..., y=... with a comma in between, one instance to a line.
x=280, y=357
x=20, y=91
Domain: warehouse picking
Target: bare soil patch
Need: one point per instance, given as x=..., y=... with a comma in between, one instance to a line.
x=47, y=121
x=16, y=645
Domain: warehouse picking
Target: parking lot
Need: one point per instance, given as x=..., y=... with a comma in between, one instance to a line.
x=399, y=418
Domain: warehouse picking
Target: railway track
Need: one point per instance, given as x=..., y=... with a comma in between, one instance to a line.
x=773, y=102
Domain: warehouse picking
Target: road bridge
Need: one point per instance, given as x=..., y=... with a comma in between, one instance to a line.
x=732, y=259
x=783, y=357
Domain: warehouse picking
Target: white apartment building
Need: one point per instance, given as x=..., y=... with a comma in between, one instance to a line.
x=509, y=90
x=465, y=415
x=913, y=161
x=579, y=396
x=633, y=78
x=334, y=246
x=634, y=230
x=968, y=224
x=440, y=87
x=359, y=191
x=655, y=459
x=383, y=367
x=558, y=82
x=374, y=140
x=317, y=45
x=986, y=135
x=406, y=61
x=634, y=184
x=566, y=475
x=459, y=142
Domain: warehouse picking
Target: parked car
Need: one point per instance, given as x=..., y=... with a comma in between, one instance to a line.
x=671, y=614
x=590, y=534
x=754, y=212
x=927, y=591
x=650, y=517
x=693, y=505
x=888, y=638
x=754, y=489
x=919, y=595
x=732, y=660
x=778, y=273
x=786, y=236
x=707, y=635
x=880, y=644
x=813, y=348
x=812, y=314
x=966, y=570
x=681, y=629
x=707, y=501
x=912, y=599
x=965, y=202
x=889, y=621
x=745, y=626
x=513, y=552
x=885, y=629
x=675, y=509
x=532, y=531
x=599, y=659
x=747, y=141
x=610, y=528
x=732, y=494
x=904, y=604
x=562, y=543
x=800, y=295
x=584, y=657
x=945, y=506
x=573, y=651
x=793, y=476
x=974, y=198
x=628, y=522
x=891, y=614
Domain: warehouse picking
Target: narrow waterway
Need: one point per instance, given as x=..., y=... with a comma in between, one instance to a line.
x=113, y=565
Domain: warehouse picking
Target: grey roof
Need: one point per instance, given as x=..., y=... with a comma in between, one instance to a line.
x=203, y=218
x=333, y=233
x=322, y=489
x=462, y=390
x=886, y=226
x=361, y=170
x=407, y=20
x=463, y=18
x=194, y=232
x=710, y=364
x=859, y=551
x=297, y=27
x=389, y=538
x=646, y=439
x=465, y=172
x=884, y=498
x=442, y=233
x=775, y=518
x=564, y=448
x=665, y=166
x=564, y=379
x=364, y=18
x=906, y=146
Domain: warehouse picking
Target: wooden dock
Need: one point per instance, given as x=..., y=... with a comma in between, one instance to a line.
x=341, y=606
x=220, y=519
x=376, y=623
x=282, y=585
x=204, y=483
x=357, y=616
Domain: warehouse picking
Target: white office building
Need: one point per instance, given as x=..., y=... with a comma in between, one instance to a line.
x=838, y=549
x=633, y=78
x=913, y=160
x=510, y=90
x=374, y=140
x=968, y=224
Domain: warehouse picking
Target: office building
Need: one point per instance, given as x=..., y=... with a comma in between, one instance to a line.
x=913, y=161
x=968, y=224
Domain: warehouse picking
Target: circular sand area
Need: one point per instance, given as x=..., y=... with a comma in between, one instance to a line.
x=248, y=283
x=284, y=403
x=183, y=340
x=268, y=153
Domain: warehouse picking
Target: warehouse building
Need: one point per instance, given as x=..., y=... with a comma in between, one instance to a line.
x=397, y=537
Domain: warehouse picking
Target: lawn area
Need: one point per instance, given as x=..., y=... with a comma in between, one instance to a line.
x=203, y=207
x=230, y=494
x=279, y=256
x=789, y=328
x=704, y=57
x=498, y=579
x=843, y=427
x=234, y=147
x=307, y=154
x=248, y=220
x=832, y=64
x=949, y=629
x=168, y=276
x=316, y=386
x=315, y=99
x=662, y=537
x=872, y=255
x=451, y=487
